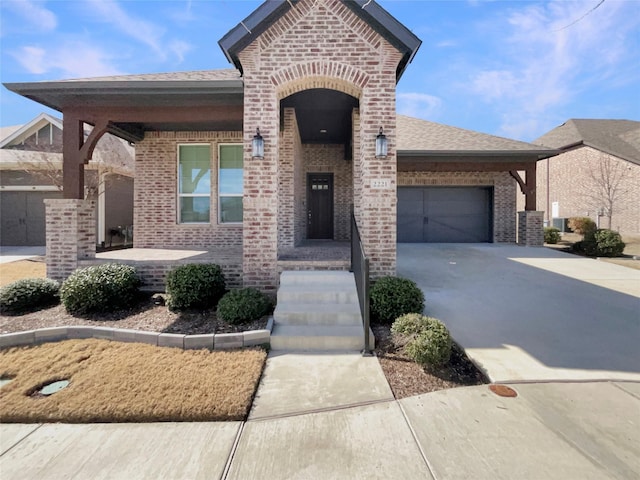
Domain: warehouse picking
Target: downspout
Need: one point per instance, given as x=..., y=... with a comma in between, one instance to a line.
x=549, y=194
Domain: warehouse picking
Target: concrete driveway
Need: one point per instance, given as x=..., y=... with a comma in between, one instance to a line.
x=531, y=314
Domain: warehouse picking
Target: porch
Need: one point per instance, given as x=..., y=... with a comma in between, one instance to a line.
x=152, y=264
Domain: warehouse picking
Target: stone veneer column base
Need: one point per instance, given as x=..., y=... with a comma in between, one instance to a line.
x=71, y=235
x=530, y=229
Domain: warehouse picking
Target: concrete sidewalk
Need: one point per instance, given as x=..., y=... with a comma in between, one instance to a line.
x=349, y=427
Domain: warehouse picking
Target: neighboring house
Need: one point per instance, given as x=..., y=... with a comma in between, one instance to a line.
x=318, y=79
x=31, y=171
x=596, y=175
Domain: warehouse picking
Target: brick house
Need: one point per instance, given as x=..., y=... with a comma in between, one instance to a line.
x=596, y=175
x=258, y=167
x=31, y=171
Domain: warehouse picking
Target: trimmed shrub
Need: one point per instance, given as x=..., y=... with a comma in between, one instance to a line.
x=243, y=305
x=100, y=288
x=424, y=339
x=392, y=297
x=195, y=285
x=608, y=243
x=583, y=226
x=28, y=295
x=551, y=235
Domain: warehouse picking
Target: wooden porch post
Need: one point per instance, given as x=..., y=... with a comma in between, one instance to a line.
x=527, y=186
x=72, y=162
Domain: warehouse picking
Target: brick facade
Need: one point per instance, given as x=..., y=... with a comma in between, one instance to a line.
x=155, y=194
x=71, y=235
x=572, y=185
x=504, y=194
x=530, y=229
x=317, y=44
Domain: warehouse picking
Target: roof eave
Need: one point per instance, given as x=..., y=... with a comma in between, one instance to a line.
x=538, y=154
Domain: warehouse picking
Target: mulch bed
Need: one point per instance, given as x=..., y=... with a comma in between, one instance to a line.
x=407, y=378
x=145, y=315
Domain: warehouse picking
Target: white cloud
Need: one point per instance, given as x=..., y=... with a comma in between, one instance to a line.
x=541, y=65
x=68, y=60
x=179, y=48
x=34, y=13
x=139, y=29
x=446, y=44
x=420, y=105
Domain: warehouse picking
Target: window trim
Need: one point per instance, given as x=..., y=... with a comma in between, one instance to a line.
x=241, y=195
x=190, y=195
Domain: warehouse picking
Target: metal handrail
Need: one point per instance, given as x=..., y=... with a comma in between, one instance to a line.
x=360, y=269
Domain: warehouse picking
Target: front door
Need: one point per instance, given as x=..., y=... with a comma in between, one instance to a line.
x=320, y=206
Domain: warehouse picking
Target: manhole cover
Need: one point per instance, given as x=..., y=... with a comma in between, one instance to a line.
x=54, y=387
x=503, y=390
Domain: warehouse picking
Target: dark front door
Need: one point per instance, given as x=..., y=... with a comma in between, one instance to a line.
x=320, y=206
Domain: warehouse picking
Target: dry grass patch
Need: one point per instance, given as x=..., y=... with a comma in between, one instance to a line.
x=126, y=382
x=10, y=272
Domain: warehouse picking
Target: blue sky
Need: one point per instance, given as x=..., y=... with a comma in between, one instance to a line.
x=507, y=68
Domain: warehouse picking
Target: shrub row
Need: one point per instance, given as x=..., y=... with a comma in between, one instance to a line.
x=29, y=294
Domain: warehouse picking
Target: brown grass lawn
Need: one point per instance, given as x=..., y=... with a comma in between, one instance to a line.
x=126, y=382
x=10, y=272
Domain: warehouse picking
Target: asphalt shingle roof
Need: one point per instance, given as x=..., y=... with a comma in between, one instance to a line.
x=414, y=134
x=198, y=75
x=620, y=138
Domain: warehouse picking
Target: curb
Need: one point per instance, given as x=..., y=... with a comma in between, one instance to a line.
x=212, y=341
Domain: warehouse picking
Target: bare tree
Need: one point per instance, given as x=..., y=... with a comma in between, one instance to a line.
x=605, y=187
x=110, y=156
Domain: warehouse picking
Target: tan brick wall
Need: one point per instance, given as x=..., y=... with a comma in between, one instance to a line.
x=504, y=194
x=530, y=229
x=318, y=44
x=71, y=235
x=572, y=185
x=155, y=194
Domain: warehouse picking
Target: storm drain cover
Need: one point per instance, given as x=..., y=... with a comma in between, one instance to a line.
x=503, y=391
x=4, y=381
x=54, y=387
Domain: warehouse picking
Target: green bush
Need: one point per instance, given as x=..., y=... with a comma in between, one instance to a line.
x=583, y=226
x=608, y=243
x=195, y=285
x=603, y=243
x=100, y=288
x=424, y=339
x=551, y=235
x=392, y=297
x=28, y=295
x=243, y=305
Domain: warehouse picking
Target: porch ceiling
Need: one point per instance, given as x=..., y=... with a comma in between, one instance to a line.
x=324, y=116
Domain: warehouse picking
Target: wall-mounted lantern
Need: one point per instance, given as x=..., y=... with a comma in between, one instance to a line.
x=258, y=145
x=381, y=145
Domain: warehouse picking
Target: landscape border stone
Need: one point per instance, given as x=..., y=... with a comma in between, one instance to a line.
x=219, y=341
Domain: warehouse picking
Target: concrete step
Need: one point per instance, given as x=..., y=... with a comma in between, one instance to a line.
x=319, y=338
x=287, y=313
x=334, y=278
x=318, y=294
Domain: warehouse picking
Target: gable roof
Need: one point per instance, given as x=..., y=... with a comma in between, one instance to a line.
x=620, y=138
x=271, y=10
x=421, y=137
x=28, y=129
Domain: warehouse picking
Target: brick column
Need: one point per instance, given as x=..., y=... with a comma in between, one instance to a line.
x=71, y=235
x=530, y=228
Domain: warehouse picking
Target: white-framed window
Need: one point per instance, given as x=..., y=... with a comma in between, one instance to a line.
x=194, y=183
x=230, y=164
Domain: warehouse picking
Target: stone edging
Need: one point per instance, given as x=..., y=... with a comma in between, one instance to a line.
x=220, y=341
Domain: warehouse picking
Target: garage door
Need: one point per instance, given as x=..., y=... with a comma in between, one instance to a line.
x=444, y=215
x=23, y=217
